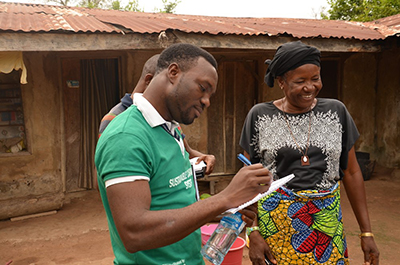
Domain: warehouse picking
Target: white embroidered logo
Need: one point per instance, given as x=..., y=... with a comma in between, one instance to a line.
x=185, y=177
x=272, y=134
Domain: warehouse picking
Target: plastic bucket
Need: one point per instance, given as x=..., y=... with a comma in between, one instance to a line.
x=206, y=232
x=235, y=253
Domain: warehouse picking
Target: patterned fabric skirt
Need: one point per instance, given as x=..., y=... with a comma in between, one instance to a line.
x=304, y=227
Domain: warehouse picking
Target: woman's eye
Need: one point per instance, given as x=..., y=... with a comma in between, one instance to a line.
x=202, y=88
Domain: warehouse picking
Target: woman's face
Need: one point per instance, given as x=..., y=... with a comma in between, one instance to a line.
x=300, y=86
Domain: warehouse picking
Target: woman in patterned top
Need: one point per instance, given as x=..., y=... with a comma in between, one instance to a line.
x=313, y=138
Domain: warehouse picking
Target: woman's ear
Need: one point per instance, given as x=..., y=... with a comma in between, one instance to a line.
x=280, y=81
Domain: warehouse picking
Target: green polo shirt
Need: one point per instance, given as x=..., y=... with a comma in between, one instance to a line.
x=131, y=147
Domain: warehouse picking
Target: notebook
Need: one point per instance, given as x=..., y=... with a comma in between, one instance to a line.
x=276, y=184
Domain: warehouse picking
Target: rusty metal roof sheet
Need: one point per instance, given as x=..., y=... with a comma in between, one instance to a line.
x=387, y=26
x=392, y=21
x=157, y=22
x=45, y=18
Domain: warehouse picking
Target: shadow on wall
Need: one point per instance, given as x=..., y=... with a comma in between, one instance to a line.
x=366, y=165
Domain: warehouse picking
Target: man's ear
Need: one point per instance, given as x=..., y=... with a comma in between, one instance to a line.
x=173, y=72
x=148, y=78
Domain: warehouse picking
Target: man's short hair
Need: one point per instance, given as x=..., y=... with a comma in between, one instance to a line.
x=185, y=55
x=150, y=66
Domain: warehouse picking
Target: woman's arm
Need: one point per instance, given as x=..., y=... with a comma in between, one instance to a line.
x=354, y=185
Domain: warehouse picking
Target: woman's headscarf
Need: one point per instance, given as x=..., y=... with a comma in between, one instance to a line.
x=289, y=56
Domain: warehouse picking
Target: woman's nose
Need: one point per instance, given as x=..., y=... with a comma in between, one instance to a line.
x=308, y=86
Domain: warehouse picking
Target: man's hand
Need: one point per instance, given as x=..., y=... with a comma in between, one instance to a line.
x=245, y=185
x=210, y=162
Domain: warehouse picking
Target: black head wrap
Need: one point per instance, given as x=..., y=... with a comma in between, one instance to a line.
x=289, y=56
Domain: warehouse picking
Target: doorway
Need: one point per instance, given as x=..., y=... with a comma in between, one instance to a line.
x=91, y=87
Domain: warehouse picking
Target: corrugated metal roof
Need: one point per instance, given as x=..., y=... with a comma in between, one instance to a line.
x=392, y=21
x=387, y=26
x=157, y=22
x=45, y=18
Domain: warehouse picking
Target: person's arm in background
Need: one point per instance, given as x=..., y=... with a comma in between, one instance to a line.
x=354, y=185
x=208, y=159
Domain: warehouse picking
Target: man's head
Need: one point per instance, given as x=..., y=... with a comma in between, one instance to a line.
x=186, y=79
x=185, y=55
x=149, y=69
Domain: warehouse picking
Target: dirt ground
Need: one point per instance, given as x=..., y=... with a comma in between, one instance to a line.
x=78, y=234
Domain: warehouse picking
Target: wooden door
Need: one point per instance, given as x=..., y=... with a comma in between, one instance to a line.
x=72, y=121
x=236, y=94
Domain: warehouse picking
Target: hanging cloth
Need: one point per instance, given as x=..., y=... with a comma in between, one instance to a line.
x=100, y=91
x=10, y=61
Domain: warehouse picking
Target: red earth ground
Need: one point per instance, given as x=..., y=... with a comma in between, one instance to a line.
x=78, y=234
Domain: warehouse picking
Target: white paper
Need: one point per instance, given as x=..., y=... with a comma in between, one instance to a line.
x=199, y=166
x=195, y=168
x=274, y=186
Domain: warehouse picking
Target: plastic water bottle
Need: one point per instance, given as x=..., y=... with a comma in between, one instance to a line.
x=223, y=238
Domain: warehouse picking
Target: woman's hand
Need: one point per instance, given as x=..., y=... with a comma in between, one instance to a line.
x=371, y=252
x=259, y=250
x=249, y=215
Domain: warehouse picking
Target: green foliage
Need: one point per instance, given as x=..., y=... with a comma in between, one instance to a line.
x=116, y=5
x=60, y=2
x=169, y=6
x=361, y=10
x=133, y=6
x=92, y=3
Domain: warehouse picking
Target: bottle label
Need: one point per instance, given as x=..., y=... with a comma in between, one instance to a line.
x=235, y=220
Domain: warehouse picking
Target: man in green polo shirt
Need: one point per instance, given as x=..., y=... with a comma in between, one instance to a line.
x=144, y=173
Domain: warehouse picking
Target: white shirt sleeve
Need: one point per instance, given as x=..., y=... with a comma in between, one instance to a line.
x=125, y=179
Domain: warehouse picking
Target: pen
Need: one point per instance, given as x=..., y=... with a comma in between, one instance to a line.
x=244, y=159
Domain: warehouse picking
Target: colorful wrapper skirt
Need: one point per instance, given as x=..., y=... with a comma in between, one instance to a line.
x=304, y=227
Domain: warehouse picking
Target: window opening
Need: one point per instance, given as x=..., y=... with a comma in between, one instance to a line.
x=12, y=126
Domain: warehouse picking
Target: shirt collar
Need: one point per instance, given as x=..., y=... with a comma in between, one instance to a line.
x=150, y=114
